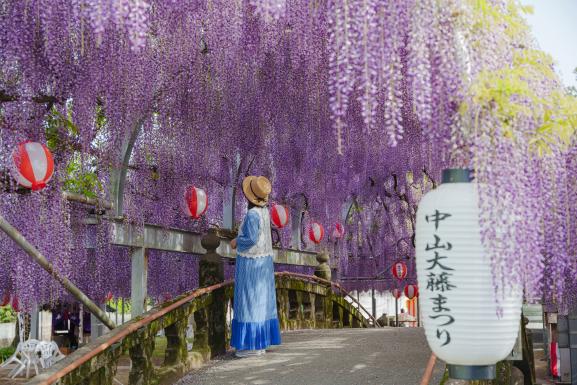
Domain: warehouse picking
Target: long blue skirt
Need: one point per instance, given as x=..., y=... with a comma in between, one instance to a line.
x=255, y=324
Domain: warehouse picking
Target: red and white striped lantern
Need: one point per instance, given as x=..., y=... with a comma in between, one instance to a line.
x=396, y=293
x=15, y=304
x=316, y=232
x=32, y=165
x=411, y=291
x=339, y=231
x=196, y=202
x=279, y=215
x=400, y=270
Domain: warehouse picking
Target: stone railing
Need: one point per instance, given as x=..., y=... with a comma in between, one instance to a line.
x=303, y=302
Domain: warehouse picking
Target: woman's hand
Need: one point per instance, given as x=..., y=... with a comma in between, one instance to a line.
x=233, y=243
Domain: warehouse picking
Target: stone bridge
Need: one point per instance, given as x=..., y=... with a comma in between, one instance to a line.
x=328, y=338
x=160, y=347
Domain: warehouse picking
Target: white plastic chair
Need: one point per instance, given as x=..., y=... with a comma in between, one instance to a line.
x=17, y=356
x=29, y=358
x=49, y=353
x=14, y=359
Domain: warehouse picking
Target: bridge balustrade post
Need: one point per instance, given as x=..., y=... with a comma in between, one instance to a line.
x=323, y=270
x=211, y=272
x=142, y=371
x=283, y=308
x=176, y=347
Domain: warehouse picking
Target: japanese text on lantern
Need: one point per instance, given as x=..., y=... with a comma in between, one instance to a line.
x=439, y=277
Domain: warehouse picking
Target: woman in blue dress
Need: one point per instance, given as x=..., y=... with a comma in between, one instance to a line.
x=255, y=324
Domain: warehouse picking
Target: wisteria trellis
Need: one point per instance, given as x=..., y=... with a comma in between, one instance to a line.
x=337, y=101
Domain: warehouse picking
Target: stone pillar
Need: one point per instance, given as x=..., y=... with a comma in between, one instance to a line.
x=176, y=348
x=211, y=271
x=97, y=328
x=283, y=308
x=323, y=269
x=200, y=344
x=139, y=277
x=142, y=370
x=34, y=322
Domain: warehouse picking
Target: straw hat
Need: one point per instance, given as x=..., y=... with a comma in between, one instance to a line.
x=256, y=189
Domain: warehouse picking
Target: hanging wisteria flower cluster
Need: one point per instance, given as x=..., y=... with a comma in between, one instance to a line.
x=354, y=103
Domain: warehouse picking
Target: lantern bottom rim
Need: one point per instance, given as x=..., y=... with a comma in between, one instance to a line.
x=472, y=372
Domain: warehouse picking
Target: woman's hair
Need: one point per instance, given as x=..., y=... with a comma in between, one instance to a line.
x=251, y=205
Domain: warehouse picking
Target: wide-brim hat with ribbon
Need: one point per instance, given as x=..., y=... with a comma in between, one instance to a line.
x=256, y=189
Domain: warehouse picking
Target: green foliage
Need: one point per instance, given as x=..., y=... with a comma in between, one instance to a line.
x=7, y=314
x=488, y=15
x=116, y=304
x=61, y=137
x=509, y=93
x=5, y=353
x=60, y=131
x=81, y=181
x=572, y=90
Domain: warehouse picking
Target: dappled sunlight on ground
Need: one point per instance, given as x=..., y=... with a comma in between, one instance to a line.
x=395, y=356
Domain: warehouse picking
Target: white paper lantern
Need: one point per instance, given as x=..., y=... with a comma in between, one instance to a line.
x=411, y=291
x=279, y=216
x=338, y=231
x=195, y=202
x=458, y=305
x=32, y=165
x=316, y=232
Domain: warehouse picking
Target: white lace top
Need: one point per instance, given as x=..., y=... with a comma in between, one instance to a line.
x=255, y=230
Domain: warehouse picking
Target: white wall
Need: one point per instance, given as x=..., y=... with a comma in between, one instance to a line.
x=385, y=302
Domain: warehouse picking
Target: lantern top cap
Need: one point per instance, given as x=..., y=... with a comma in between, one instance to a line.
x=457, y=175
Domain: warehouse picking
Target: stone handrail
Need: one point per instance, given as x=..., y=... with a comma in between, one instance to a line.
x=303, y=302
x=343, y=292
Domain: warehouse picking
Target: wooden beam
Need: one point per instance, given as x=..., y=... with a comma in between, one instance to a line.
x=43, y=262
x=168, y=239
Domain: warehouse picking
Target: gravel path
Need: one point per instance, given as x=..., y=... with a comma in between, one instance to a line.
x=387, y=356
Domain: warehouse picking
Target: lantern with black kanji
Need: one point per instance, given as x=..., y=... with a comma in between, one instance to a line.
x=458, y=305
x=399, y=270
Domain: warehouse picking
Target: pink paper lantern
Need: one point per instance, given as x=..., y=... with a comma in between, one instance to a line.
x=396, y=293
x=196, y=202
x=279, y=216
x=32, y=165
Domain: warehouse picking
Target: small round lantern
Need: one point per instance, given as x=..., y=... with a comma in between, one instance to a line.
x=15, y=304
x=411, y=291
x=32, y=165
x=396, y=293
x=459, y=310
x=316, y=232
x=5, y=299
x=339, y=231
x=279, y=216
x=400, y=270
x=196, y=202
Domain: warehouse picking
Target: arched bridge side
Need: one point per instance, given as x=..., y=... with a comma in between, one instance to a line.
x=303, y=302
